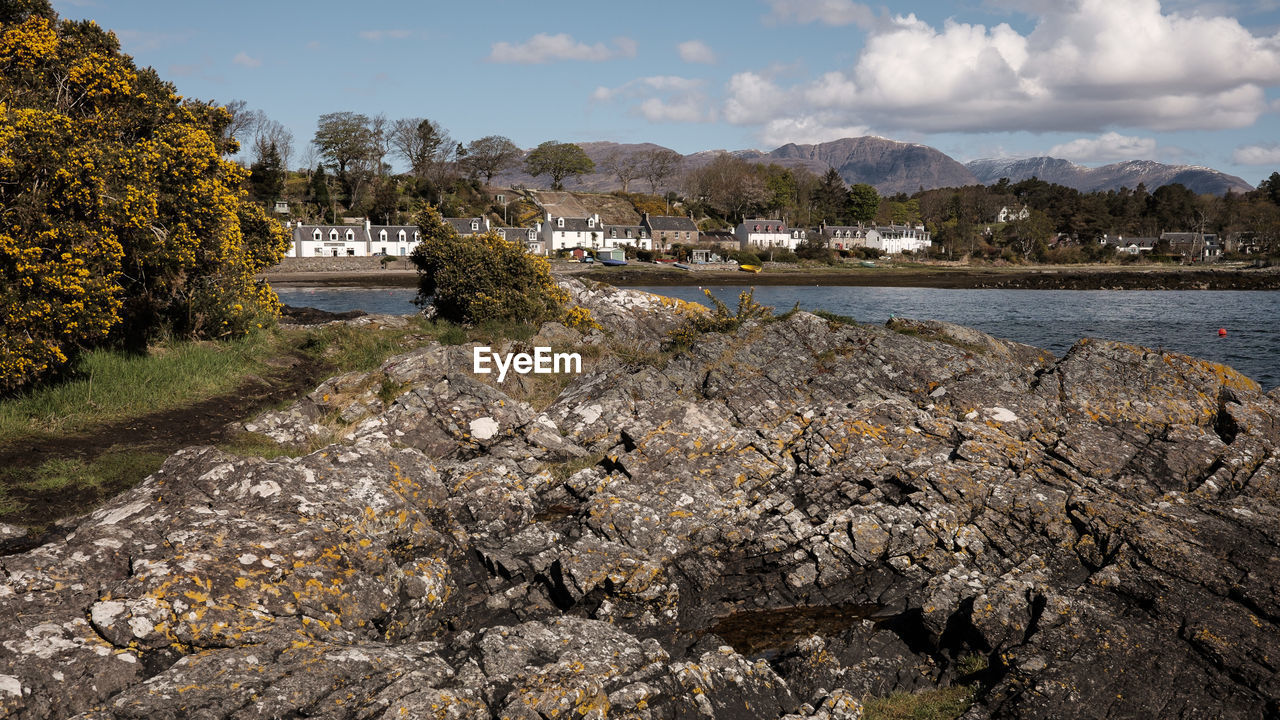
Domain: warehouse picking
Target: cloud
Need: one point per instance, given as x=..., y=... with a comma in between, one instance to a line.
x=827, y=12
x=662, y=98
x=544, y=48
x=1264, y=154
x=1086, y=66
x=1105, y=148
x=696, y=51
x=807, y=131
x=244, y=59
x=379, y=35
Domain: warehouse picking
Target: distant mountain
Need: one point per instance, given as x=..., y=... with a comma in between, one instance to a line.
x=894, y=167
x=1108, y=177
x=890, y=166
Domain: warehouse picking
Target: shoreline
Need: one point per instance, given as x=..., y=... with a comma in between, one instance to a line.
x=942, y=277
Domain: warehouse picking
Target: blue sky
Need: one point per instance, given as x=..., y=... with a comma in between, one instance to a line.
x=1094, y=81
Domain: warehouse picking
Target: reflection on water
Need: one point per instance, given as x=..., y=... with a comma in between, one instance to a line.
x=1185, y=321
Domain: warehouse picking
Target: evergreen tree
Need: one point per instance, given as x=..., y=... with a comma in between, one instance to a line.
x=319, y=192
x=864, y=203
x=830, y=198
x=266, y=176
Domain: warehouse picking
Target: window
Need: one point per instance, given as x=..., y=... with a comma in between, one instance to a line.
x=475, y=225
x=382, y=236
x=316, y=235
x=351, y=235
x=415, y=235
x=757, y=228
x=559, y=222
x=383, y=251
x=402, y=252
x=591, y=222
x=333, y=234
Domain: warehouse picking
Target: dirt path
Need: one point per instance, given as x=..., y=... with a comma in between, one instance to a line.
x=163, y=432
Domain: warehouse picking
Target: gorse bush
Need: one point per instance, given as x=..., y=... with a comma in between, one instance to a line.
x=720, y=318
x=486, y=278
x=119, y=215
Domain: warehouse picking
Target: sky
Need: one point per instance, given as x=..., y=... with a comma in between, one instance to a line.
x=1093, y=81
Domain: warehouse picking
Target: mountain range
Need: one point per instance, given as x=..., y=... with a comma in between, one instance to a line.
x=894, y=167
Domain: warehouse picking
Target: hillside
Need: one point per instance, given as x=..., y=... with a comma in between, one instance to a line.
x=1108, y=177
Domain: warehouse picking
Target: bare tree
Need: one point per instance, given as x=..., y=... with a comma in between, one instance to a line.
x=421, y=142
x=624, y=166
x=728, y=184
x=270, y=132
x=242, y=121
x=490, y=155
x=659, y=165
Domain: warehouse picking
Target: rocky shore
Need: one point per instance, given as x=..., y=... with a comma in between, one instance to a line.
x=774, y=523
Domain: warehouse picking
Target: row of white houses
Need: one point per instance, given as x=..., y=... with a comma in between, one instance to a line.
x=556, y=233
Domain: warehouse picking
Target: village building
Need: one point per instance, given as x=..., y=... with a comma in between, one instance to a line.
x=1130, y=246
x=758, y=234
x=528, y=238
x=847, y=237
x=469, y=226
x=896, y=239
x=636, y=236
x=1007, y=214
x=1193, y=246
x=351, y=240
x=564, y=233
x=667, y=230
x=722, y=239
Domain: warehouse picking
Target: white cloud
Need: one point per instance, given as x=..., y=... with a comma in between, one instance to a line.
x=544, y=48
x=696, y=51
x=662, y=98
x=1087, y=65
x=827, y=12
x=1105, y=148
x=244, y=59
x=379, y=35
x=809, y=130
x=1265, y=154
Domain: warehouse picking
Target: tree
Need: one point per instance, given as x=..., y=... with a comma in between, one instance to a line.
x=319, y=192
x=491, y=155
x=120, y=214
x=659, y=165
x=345, y=140
x=270, y=133
x=559, y=160
x=830, y=199
x=1270, y=188
x=266, y=176
x=419, y=141
x=728, y=184
x=241, y=124
x=624, y=166
x=483, y=277
x=864, y=203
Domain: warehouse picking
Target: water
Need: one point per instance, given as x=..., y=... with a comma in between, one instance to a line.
x=1185, y=321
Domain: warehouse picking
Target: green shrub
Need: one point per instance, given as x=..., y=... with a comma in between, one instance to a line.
x=483, y=277
x=721, y=318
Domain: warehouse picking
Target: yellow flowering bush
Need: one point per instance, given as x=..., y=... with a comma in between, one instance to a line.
x=486, y=277
x=119, y=214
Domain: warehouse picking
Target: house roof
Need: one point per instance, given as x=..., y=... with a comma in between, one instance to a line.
x=637, y=231
x=678, y=223
x=573, y=224
x=772, y=225
x=522, y=233
x=463, y=225
x=307, y=232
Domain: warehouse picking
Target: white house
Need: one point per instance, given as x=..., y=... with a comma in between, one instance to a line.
x=895, y=239
x=564, y=233
x=846, y=237
x=616, y=236
x=351, y=240
x=528, y=238
x=763, y=234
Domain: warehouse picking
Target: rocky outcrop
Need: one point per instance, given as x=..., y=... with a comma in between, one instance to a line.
x=773, y=523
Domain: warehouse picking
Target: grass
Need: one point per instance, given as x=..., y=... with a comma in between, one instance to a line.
x=87, y=480
x=941, y=704
x=258, y=445
x=108, y=385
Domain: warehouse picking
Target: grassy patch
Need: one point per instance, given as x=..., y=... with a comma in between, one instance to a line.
x=941, y=704
x=80, y=484
x=938, y=337
x=835, y=318
x=258, y=445
x=109, y=385
x=565, y=470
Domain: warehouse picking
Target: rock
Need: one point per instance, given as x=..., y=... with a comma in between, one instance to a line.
x=774, y=523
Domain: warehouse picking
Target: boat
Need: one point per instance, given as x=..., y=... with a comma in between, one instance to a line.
x=750, y=268
x=613, y=263
x=867, y=263
x=682, y=266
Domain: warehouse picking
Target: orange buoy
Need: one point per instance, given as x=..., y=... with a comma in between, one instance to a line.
x=1222, y=332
